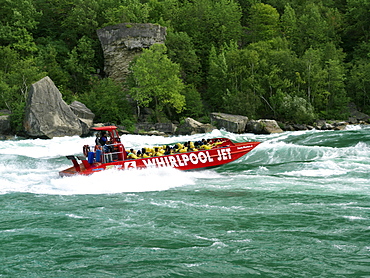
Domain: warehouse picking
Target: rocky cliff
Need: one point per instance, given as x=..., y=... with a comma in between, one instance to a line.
x=122, y=42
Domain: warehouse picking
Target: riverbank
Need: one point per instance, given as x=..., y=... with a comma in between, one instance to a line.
x=232, y=123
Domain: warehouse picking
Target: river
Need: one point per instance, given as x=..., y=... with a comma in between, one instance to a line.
x=298, y=205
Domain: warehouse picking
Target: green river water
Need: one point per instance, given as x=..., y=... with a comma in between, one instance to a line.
x=296, y=206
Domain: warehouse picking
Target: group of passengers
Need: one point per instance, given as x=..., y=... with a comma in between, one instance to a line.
x=204, y=144
x=102, y=142
x=177, y=148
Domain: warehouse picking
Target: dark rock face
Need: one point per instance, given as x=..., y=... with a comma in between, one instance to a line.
x=231, y=123
x=5, y=124
x=5, y=127
x=357, y=116
x=122, y=42
x=47, y=115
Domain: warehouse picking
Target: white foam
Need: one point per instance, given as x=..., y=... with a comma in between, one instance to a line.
x=115, y=181
x=38, y=148
x=353, y=127
x=33, y=165
x=355, y=218
x=106, y=182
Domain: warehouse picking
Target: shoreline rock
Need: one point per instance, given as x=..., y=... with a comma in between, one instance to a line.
x=232, y=123
x=5, y=127
x=47, y=115
x=263, y=126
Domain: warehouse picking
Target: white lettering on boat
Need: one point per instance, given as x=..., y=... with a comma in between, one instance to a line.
x=245, y=147
x=179, y=161
x=203, y=158
x=172, y=161
x=149, y=163
x=130, y=165
x=160, y=162
x=210, y=159
x=185, y=159
x=224, y=154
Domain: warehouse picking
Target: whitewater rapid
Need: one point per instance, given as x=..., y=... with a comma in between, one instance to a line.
x=309, y=159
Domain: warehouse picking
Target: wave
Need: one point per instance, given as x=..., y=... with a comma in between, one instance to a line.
x=40, y=181
x=312, y=157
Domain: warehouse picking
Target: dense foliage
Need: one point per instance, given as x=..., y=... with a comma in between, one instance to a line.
x=290, y=60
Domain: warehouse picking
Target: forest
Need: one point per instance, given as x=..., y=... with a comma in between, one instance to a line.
x=289, y=60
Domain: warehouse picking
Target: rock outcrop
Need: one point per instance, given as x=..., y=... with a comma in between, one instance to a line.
x=47, y=115
x=263, y=127
x=122, y=42
x=84, y=114
x=192, y=126
x=231, y=123
x=357, y=116
x=157, y=128
x=5, y=122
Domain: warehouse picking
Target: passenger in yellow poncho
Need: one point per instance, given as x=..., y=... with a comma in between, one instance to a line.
x=192, y=147
x=144, y=153
x=206, y=147
x=132, y=154
x=157, y=152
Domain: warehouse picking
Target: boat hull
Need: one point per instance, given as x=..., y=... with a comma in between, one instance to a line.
x=182, y=161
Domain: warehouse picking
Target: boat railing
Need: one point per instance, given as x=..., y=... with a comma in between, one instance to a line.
x=104, y=154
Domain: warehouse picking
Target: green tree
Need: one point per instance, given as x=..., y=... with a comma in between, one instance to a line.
x=16, y=76
x=156, y=81
x=181, y=50
x=263, y=23
x=126, y=11
x=335, y=85
x=217, y=80
x=292, y=108
x=80, y=21
x=277, y=72
x=208, y=23
x=233, y=85
x=357, y=15
x=194, y=106
x=359, y=85
x=81, y=64
x=313, y=76
x=311, y=25
x=289, y=23
x=108, y=102
x=17, y=21
x=323, y=75
x=47, y=59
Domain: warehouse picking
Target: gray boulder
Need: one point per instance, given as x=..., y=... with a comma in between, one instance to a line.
x=47, y=115
x=357, y=116
x=122, y=42
x=300, y=127
x=263, y=127
x=192, y=126
x=340, y=125
x=165, y=128
x=5, y=127
x=231, y=123
x=5, y=124
x=84, y=114
x=327, y=126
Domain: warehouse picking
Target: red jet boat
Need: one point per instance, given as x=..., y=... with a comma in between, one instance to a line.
x=217, y=151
